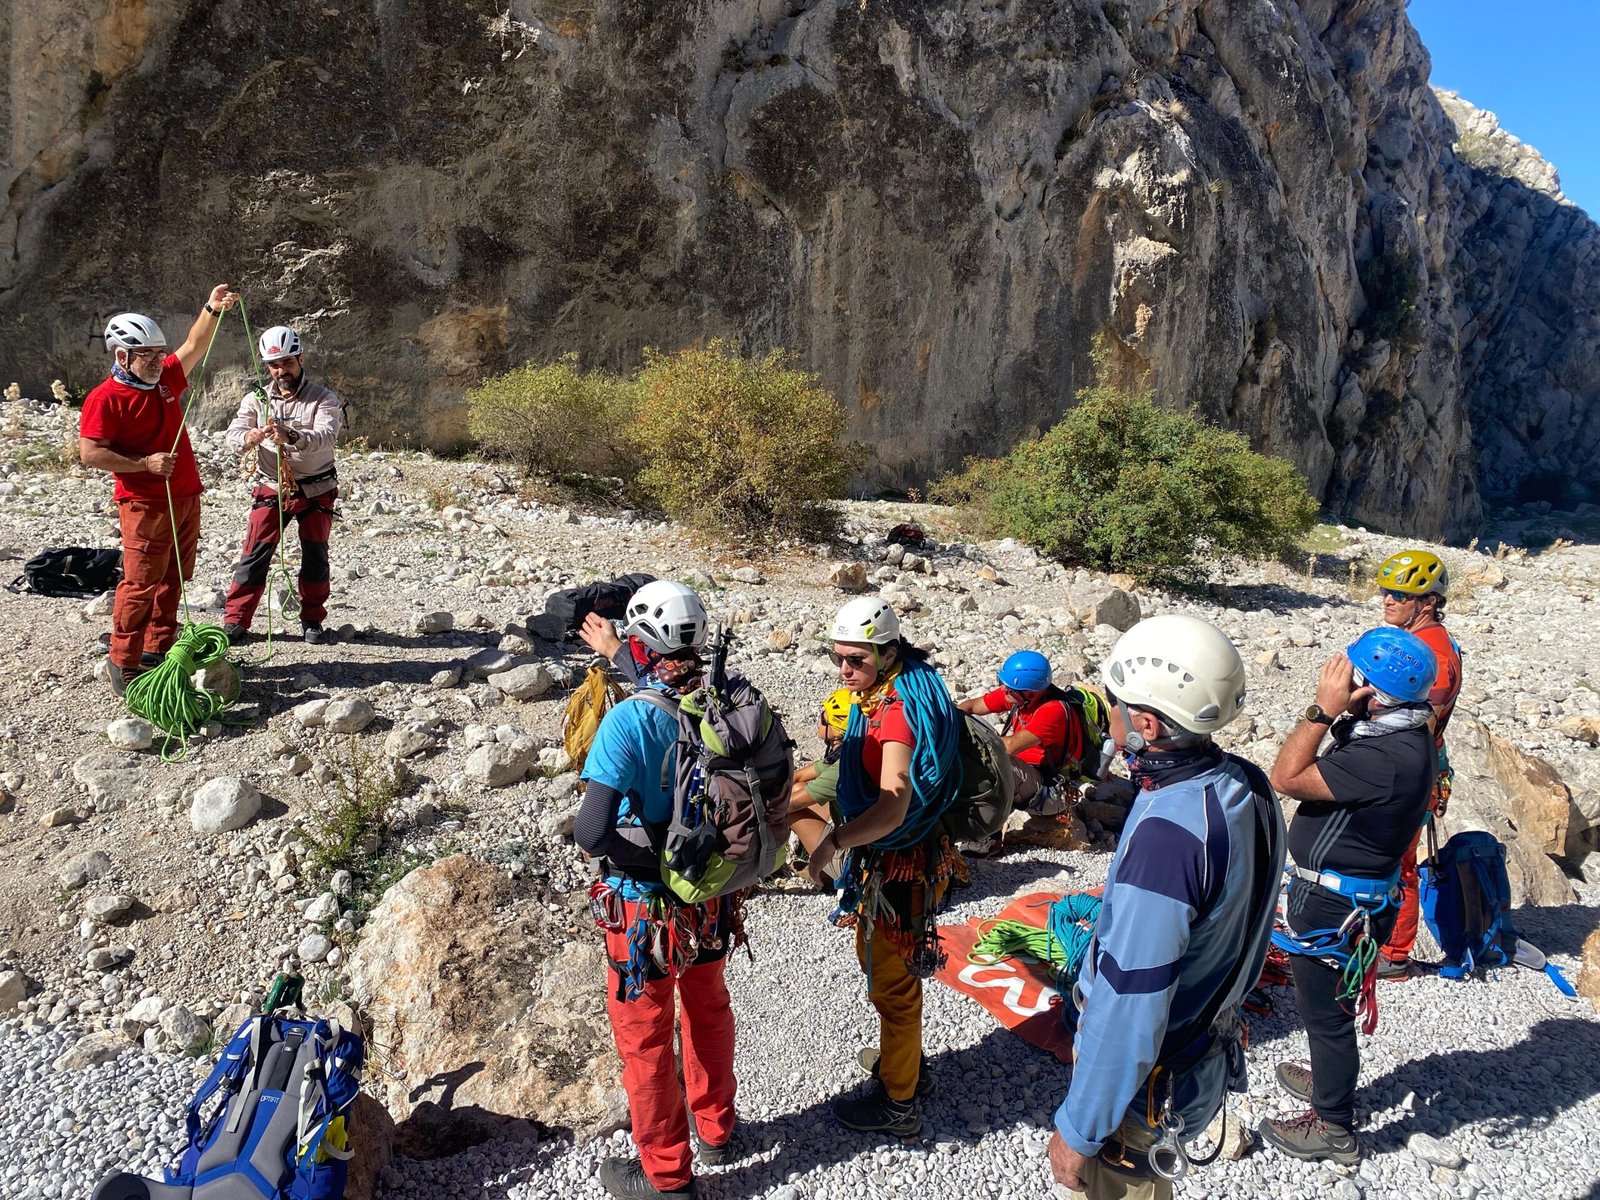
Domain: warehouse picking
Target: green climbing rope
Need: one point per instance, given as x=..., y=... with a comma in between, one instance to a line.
x=1011, y=939
x=166, y=695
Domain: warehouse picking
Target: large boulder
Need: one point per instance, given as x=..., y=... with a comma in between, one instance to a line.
x=485, y=1001
x=1519, y=799
x=1589, y=976
x=224, y=804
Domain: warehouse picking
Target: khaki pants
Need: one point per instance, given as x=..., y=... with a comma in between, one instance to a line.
x=1103, y=1183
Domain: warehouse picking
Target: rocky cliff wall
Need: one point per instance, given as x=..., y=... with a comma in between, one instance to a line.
x=938, y=206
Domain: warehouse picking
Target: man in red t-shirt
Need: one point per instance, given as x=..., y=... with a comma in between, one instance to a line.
x=1042, y=735
x=1413, y=584
x=132, y=426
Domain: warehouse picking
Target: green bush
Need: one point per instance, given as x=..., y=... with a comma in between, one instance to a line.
x=1125, y=485
x=555, y=419
x=748, y=447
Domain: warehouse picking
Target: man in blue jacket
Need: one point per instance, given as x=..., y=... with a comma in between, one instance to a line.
x=1185, y=921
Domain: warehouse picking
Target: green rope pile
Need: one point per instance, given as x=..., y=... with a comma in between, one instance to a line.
x=1012, y=939
x=166, y=695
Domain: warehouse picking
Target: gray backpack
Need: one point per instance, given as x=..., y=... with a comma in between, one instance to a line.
x=730, y=781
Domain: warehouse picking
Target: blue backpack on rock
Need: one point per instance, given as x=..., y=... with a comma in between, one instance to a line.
x=269, y=1123
x=1465, y=896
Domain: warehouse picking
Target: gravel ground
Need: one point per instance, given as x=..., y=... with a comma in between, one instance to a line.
x=1498, y=1069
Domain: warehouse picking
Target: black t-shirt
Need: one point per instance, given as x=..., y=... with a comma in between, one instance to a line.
x=1380, y=787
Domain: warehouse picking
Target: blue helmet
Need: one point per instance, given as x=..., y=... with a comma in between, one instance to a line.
x=1395, y=662
x=1026, y=671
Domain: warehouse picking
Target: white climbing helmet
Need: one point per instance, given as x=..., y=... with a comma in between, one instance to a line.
x=1183, y=667
x=279, y=342
x=867, y=619
x=666, y=616
x=133, y=331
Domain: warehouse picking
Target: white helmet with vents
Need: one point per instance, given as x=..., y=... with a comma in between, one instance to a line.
x=667, y=616
x=134, y=331
x=1184, y=668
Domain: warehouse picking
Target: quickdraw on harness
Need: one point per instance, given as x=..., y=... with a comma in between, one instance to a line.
x=665, y=937
x=1349, y=947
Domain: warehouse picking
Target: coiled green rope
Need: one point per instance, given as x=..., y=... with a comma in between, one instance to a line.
x=166, y=694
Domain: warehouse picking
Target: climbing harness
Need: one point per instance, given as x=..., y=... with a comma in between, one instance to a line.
x=1350, y=947
x=665, y=938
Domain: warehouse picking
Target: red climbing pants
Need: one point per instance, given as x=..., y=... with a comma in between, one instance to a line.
x=144, y=613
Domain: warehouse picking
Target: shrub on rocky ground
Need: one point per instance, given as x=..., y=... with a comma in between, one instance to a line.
x=1126, y=485
x=744, y=446
x=350, y=829
x=555, y=419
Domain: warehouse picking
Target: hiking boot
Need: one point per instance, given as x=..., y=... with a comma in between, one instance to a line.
x=312, y=632
x=714, y=1156
x=148, y=660
x=1394, y=969
x=1048, y=802
x=875, y=1112
x=235, y=634
x=625, y=1177
x=1295, y=1079
x=120, y=678
x=1311, y=1138
x=984, y=848
x=926, y=1083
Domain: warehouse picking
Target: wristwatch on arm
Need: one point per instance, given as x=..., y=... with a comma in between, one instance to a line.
x=1316, y=716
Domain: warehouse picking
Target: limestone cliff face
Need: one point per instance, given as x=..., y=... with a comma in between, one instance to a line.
x=937, y=205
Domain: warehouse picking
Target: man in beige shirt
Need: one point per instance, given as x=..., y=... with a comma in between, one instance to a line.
x=292, y=426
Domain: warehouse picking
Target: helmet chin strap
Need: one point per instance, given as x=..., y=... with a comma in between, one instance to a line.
x=1134, y=742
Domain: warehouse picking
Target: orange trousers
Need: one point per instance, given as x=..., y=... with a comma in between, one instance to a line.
x=897, y=995
x=1404, y=936
x=144, y=614
x=642, y=1029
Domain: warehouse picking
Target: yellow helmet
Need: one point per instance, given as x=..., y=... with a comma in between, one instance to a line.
x=1414, y=572
x=836, y=708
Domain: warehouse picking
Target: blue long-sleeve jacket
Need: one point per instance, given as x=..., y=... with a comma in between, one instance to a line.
x=1176, y=917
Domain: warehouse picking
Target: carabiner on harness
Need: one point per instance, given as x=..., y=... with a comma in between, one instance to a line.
x=1168, y=1158
x=605, y=906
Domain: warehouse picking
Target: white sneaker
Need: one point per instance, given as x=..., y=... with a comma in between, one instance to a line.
x=982, y=849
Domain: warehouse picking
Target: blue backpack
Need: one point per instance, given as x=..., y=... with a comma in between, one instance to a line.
x=270, y=1123
x=1465, y=896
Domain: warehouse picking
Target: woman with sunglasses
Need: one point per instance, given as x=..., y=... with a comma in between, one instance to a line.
x=897, y=773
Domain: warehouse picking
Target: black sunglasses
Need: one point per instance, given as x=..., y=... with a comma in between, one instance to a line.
x=857, y=662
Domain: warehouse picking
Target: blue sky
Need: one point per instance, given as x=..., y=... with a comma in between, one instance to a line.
x=1534, y=66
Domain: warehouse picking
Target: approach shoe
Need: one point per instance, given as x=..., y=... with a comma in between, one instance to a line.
x=714, y=1156
x=984, y=847
x=1048, y=802
x=1393, y=969
x=313, y=633
x=120, y=678
x=926, y=1083
x=1295, y=1078
x=1311, y=1138
x=235, y=634
x=625, y=1177
x=873, y=1111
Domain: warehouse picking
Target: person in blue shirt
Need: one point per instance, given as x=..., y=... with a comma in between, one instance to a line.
x=663, y=954
x=1185, y=920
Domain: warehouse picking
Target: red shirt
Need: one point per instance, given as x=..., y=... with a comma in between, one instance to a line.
x=1048, y=720
x=1447, y=683
x=886, y=724
x=135, y=423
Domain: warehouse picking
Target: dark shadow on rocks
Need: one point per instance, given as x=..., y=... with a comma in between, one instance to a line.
x=1010, y=873
x=1272, y=596
x=436, y=1131
x=1503, y=1091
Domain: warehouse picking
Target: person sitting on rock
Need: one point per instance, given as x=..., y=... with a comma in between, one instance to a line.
x=816, y=784
x=292, y=425
x=647, y=928
x=1048, y=732
x=1414, y=583
x=1361, y=803
x=132, y=426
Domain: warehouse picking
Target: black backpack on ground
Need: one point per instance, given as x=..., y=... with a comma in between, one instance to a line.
x=608, y=598
x=75, y=571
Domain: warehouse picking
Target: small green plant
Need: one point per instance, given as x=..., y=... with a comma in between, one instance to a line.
x=440, y=496
x=1391, y=281
x=555, y=419
x=750, y=447
x=350, y=828
x=1126, y=485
